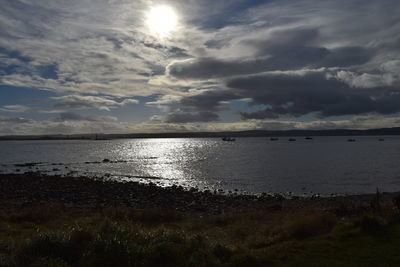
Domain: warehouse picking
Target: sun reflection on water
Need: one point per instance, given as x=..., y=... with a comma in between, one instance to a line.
x=163, y=161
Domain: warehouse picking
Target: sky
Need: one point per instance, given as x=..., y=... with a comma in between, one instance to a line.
x=142, y=66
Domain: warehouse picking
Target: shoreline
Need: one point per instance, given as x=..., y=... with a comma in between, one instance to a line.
x=246, y=133
x=84, y=192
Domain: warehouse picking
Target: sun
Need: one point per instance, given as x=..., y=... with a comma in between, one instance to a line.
x=161, y=20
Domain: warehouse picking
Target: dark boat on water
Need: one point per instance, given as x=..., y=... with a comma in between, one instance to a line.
x=381, y=139
x=292, y=139
x=351, y=140
x=308, y=138
x=274, y=139
x=228, y=139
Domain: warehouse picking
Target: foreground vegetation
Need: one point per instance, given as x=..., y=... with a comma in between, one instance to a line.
x=53, y=235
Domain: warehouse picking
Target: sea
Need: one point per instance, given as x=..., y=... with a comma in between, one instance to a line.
x=321, y=165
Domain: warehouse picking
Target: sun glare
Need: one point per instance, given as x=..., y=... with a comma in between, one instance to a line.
x=161, y=20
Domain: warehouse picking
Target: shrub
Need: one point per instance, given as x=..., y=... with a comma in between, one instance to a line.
x=4, y=262
x=201, y=258
x=222, y=253
x=222, y=220
x=35, y=214
x=312, y=225
x=49, y=262
x=371, y=224
x=158, y=216
x=110, y=249
x=245, y=260
x=78, y=242
x=43, y=245
x=165, y=254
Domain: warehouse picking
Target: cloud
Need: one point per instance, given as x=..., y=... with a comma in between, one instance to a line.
x=13, y=120
x=206, y=100
x=199, y=106
x=16, y=108
x=288, y=49
x=70, y=116
x=13, y=126
x=297, y=94
x=70, y=102
x=294, y=94
x=89, y=102
x=28, y=109
x=362, y=122
x=334, y=59
x=287, y=58
x=66, y=48
x=365, y=80
x=165, y=99
x=185, y=117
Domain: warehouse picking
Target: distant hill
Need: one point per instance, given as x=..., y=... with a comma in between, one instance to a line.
x=250, y=133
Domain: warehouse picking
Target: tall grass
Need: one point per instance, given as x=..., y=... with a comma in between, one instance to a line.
x=125, y=237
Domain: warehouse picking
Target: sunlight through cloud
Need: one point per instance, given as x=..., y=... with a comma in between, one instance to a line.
x=161, y=20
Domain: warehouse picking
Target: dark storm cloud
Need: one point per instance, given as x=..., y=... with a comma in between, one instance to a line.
x=283, y=50
x=280, y=77
x=209, y=68
x=290, y=94
x=186, y=117
x=297, y=48
x=268, y=113
x=207, y=101
x=202, y=107
x=297, y=95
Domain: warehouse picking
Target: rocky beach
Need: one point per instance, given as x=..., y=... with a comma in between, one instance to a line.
x=34, y=188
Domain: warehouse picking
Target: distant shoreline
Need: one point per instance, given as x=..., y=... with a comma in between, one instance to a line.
x=251, y=133
x=31, y=188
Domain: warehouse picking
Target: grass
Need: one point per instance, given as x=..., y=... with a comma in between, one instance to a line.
x=53, y=235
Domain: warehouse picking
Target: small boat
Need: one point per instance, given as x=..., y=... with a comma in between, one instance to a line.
x=308, y=138
x=228, y=139
x=381, y=139
x=351, y=140
x=292, y=139
x=274, y=139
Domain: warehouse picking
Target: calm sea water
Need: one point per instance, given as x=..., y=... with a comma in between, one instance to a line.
x=323, y=165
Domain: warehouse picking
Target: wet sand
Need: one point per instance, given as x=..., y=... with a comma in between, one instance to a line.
x=35, y=188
